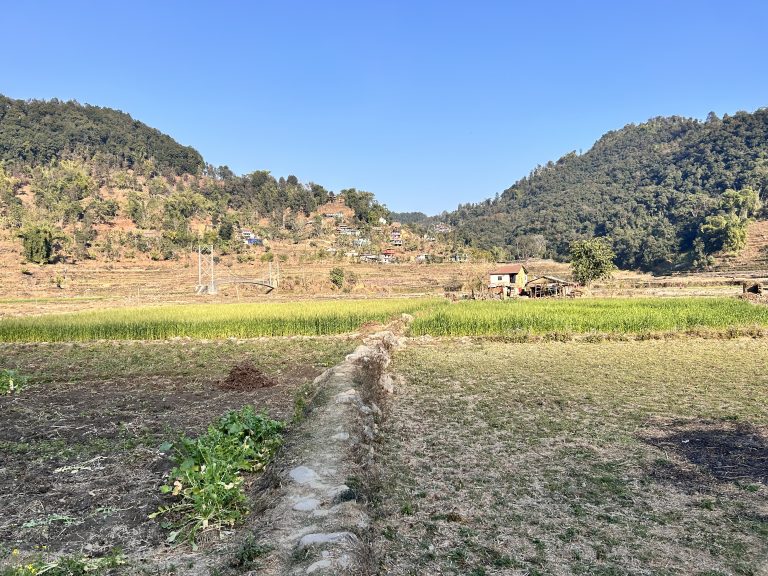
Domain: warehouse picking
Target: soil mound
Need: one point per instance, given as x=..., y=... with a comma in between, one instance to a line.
x=245, y=376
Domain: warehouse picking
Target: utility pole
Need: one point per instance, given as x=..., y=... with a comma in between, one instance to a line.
x=205, y=268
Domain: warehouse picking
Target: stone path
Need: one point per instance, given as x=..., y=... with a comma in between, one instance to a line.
x=318, y=525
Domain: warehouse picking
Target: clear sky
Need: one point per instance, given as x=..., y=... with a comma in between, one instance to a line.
x=425, y=103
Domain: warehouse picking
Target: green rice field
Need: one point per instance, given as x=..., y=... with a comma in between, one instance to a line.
x=513, y=318
x=209, y=321
x=610, y=316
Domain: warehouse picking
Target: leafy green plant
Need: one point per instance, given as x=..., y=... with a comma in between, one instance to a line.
x=206, y=481
x=11, y=381
x=74, y=565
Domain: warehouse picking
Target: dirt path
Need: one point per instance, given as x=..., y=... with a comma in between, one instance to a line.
x=317, y=523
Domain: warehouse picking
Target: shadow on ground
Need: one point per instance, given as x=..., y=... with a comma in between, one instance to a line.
x=724, y=451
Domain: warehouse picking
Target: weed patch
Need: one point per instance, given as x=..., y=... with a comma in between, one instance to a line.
x=207, y=476
x=11, y=382
x=73, y=565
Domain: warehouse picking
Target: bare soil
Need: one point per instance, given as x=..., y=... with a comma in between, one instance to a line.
x=725, y=451
x=80, y=468
x=245, y=376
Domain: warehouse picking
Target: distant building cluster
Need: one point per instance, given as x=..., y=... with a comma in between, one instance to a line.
x=250, y=238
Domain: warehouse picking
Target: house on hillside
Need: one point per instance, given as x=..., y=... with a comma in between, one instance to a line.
x=551, y=286
x=387, y=256
x=508, y=280
x=396, y=237
x=345, y=230
x=250, y=238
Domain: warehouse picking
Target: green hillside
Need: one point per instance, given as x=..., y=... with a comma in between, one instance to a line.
x=667, y=193
x=37, y=131
x=79, y=182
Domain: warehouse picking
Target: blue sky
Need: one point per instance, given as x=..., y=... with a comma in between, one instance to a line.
x=426, y=104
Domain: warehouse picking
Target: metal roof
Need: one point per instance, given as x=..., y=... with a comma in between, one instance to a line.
x=508, y=269
x=554, y=279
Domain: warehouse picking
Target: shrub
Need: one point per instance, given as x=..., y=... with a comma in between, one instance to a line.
x=38, y=243
x=337, y=277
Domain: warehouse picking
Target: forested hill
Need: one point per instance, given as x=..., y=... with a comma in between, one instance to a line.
x=81, y=182
x=666, y=193
x=38, y=131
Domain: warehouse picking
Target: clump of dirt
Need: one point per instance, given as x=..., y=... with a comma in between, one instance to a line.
x=246, y=376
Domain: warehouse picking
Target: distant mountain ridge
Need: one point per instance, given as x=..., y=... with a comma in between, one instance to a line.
x=649, y=188
x=39, y=131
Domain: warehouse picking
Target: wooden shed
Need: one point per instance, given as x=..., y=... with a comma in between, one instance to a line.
x=549, y=286
x=508, y=280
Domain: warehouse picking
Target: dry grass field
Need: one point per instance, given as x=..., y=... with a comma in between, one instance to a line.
x=573, y=458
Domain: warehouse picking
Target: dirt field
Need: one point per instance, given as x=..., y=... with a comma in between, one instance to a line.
x=79, y=461
x=565, y=458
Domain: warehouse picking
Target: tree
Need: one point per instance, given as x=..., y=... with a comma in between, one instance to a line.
x=591, y=260
x=337, y=277
x=744, y=203
x=723, y=233
x=226, y=229
x=38, y=243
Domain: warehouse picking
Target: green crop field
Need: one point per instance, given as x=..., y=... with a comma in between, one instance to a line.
x=210, y=320
x=611, y=316
x=513, y=319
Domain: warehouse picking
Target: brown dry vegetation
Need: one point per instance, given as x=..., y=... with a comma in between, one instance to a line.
x=32, y=289
x=572, y=458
